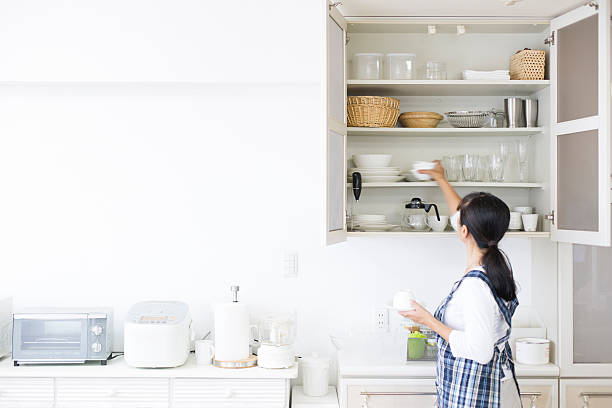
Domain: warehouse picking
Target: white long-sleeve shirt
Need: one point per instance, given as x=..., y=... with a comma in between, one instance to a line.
x=476, y=321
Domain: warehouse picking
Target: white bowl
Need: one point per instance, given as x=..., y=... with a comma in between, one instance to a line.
x=371, y=160
x=422, y=165
x=419, y=176
x=402, y=300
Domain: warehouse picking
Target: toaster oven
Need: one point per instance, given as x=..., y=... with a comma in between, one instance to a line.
x=62, y=336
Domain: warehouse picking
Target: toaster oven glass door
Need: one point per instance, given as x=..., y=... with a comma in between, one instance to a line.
x=51, y=338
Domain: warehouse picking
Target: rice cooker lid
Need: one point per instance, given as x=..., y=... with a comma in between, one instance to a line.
x=158, y=313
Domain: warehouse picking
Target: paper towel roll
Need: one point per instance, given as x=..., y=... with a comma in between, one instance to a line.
x=231, y=331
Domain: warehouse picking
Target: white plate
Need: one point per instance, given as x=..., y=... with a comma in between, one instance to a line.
x=382, y=179
x=372, y=228
x=370, y=216
x=376, y=173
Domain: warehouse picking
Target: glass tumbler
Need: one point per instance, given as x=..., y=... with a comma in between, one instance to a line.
x=497, y=167
x=470, y=167
x=484, y=168
x=451, y=167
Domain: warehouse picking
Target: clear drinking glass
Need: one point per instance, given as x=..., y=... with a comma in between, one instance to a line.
x=435, y=70
x=484, y=168
x=497, y=167
x=470, y=167
x=451, y=167
x=523, y=154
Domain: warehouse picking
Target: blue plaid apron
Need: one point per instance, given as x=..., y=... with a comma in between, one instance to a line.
x=464, y=383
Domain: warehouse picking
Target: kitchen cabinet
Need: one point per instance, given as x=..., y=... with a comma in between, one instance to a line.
x=585, y=301
x=421, y=393
x=572, y=183
x=594, y=393
x=112, y=392
x=26, y=392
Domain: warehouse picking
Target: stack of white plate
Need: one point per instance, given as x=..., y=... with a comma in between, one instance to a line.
x=372, y=223
x=377, y=174
x=374, y=168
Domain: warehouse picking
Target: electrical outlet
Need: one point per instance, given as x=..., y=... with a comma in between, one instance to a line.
x=380, y=320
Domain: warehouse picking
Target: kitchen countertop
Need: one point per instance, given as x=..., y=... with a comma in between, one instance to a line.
x=117, y=367
x=352, y=365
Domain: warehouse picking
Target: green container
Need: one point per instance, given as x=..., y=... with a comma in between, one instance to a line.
x=416, y=345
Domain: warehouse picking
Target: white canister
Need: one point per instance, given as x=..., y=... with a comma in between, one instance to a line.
x=315, y=375
x=532, y=351
x=367, y=65
x=400, y=66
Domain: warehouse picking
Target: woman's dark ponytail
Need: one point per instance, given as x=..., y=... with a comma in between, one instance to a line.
x=486, y=218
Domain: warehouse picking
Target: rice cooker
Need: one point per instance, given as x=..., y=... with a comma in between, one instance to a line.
x=158, y=334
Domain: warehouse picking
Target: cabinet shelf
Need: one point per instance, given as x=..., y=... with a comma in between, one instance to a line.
x=443, y=132
x=523, y=234
x=444, y=87
x=479, y=184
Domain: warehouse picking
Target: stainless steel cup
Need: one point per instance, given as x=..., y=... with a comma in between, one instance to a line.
x=531, y=112
x=514, y=108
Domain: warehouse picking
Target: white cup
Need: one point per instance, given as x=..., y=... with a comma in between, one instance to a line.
x=523, y=210
x=418, y=221
x=530, y=222
x=204, y=351
x=402, y=300
x=437, y=226
x=515, y=221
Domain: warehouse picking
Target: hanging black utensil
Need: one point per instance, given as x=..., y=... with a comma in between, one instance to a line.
x=357, y=185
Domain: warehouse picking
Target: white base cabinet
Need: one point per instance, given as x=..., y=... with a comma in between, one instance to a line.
x=143, y=393
x=586, y=393
x=421, y=393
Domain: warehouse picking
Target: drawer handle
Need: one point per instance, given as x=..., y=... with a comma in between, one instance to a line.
x=533, y=397
x=594, y=394
x=366, y=395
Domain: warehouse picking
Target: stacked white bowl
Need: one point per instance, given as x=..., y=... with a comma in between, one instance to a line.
x=372, y=222
x=374, y=168
x=421, y=165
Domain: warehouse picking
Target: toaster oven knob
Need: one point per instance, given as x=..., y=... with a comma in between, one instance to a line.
x=97, y=330
x=96, y=347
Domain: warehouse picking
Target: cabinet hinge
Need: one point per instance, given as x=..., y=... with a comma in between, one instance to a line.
x=550, y=40
x=550, y=217
x=593, y=4
x=347, y=39
x=334, y=5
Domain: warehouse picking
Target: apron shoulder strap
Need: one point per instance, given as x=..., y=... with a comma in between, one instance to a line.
x=507, y=310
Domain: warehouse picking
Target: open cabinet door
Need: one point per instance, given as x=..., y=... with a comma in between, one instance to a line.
x=335, y=227
x=580, y=92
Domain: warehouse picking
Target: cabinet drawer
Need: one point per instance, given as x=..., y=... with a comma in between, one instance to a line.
x=26, y=392
x=392, y=394
x=586, y=393
x=204, y=393
x=112, y=392
x=539, y=393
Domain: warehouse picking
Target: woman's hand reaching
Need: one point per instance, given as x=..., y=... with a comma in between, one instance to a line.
x=437, y=173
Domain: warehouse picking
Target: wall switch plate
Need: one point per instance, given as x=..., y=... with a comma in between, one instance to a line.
x=380, y=320
x=290, y=265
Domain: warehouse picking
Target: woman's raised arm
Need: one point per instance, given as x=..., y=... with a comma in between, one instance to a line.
x=450, y=195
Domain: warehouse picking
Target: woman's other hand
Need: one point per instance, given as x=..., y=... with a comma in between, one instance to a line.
x=419, y=315
x=437, y=173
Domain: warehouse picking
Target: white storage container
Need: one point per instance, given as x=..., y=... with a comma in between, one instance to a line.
x=532, y=351
x=400, y=66
x=315, y=375
x=367, y=66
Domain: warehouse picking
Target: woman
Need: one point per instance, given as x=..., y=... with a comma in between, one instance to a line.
x=474, y=364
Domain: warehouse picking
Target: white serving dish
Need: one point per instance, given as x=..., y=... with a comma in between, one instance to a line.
x=374, y=227
x=371, y=160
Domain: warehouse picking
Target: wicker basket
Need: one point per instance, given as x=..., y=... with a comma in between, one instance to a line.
x=372, y=111
x=528, y=65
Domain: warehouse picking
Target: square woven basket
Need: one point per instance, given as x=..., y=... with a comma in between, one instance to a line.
x=528, y=65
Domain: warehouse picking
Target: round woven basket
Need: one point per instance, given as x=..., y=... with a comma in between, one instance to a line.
x=372, y=111
x=420, y=119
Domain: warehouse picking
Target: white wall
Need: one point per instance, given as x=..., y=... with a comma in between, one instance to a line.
x=115, y=193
